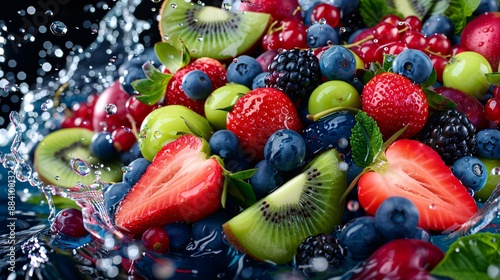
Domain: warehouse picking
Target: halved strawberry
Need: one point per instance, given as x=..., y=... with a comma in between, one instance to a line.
x=414, y=170
x=181, y=184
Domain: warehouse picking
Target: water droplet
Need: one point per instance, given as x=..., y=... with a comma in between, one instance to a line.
x=80, y=167
x=322, y=21
x=200, y=39
x=156, y=1
x=493, y=271
x=457, y=250
x=495, y=171
x=353, y=205
x=58, y=28
x=227, y=6
x=110, y=109
x=49, y=13
x=343, y=166
x=173, y=5
x=47, y=105
x=57, y=178
x=432, y=206
x=157, y=134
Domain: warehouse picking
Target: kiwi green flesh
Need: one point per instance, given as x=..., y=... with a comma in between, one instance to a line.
x=209, y=31
x=407, y=8
x=308, y=204
x=55, y=151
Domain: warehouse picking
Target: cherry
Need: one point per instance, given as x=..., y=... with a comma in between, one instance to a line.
x=83, y=123
x=138, y=110
x=83, y=110
x=123, y=139
x=69, y=222
x=392, y=19
x=156, y=239
x=324, y=11
x=414, y=40
x=385, y=32
x=366, y=52
x=456, y=49
x=438, y=44
x=496, y=91
x=271, y=41
x=390, y=48
x=439, y=63
x=412, y=22
x=492, y=109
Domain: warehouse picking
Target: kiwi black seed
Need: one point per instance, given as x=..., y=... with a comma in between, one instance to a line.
x=53, y=157
x=211, y=31
x=306, y=205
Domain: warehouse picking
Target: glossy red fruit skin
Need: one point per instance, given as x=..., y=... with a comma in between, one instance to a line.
x=439, y=63
x=329, y=13
x=393, y=48
x=438, y=44
x=394, y=102
x=156, y=239
x=482, y=35
x=101, y=120
x=466, y=104
x=412, y=22
x=492, y=109
x=123, y=139
x=385, y=32
x=265, y=58
x=69, y=221
x=401, y=259
x=414, y=40
x=293, y=34
x=278, y=9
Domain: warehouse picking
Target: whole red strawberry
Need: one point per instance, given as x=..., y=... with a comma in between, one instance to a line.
x=175, y=94
x=394, y=102
x=259, y=113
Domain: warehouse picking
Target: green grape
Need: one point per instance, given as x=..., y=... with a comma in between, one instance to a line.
x=220, y=98
x=333, y=94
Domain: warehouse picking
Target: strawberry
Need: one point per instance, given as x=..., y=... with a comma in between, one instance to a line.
x=259, y=113
x=180, y=184
x=174, y=92
x=394, y=102
x=415, y=171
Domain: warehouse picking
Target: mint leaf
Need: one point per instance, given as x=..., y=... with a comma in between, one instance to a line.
x=366, y=140
x=437, y=101
x=459, y=11
x=493, y=78
x=470, y=257
x=372, y=11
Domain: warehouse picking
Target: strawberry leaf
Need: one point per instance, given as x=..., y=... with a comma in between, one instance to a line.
x=493, y=78
x=372, y=11
x=366, y=140
x=151, y=91
x=387, y=64
x=437, y=101
x=173, y=57
x=459, y=11
x=364, y=75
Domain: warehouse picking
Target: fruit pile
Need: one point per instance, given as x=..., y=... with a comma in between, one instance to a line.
x=316, y=139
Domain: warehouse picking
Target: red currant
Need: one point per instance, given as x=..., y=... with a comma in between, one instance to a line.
x=438, y=44
x=123, y=139
x=384, y=33
x=324, y=11
x=156, y=239
x=492, y=109
x=83, y=123
x=69, y=222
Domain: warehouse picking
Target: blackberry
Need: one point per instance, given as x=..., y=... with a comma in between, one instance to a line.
x=296, y=72
x=320, y=246
x=450, y=134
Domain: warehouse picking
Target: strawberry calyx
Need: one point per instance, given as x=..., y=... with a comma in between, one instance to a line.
x=235, y=184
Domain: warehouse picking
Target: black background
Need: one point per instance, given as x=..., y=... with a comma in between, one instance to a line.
x=79, y=21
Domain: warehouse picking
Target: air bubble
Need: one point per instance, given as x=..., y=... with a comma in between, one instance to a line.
x=110, y=109
x=353, y=205
x=47, y=105
x=80, y=167
x=58, y=28
x=157, y=134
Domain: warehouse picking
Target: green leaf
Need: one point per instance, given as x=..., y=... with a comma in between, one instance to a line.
x=387, y=64
x=438, y=7
x=366, y=140
x=242, y=175
x=372, y=11
x=364, y=75
x=437, y=101
x=193, y=128
x=431, y=80
x=470, y=257
x=493, y=78
x=172, y=56
x=150, y=92
x=459, y=12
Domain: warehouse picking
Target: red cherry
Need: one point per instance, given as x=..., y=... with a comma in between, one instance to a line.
x=392, y=19
x=412, y=22
x=68, y=122
x=496, y=91
x=456, y=49
x=293, y=34
x=156, y=239
x=329, y=13
x=83, y=110
x=366, y=52
x=439, y=63
x=123, y=139
x=138, y=110
x=271, y=41
x=394, y=48
x=83, y=123
x=414, y=40
x=438, y=44
x=492, y=109
x=69, y=222
x=384, y=33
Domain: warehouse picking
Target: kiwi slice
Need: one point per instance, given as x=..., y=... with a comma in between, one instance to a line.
x=308, y=204
x=417, y=8
x=211, y=31
x=53, y=157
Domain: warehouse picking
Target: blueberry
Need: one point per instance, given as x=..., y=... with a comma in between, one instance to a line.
x=259, y=80
x=420, y=233
x=471, y=171
x=242, y=70
x=127, y=157
x=114, y=194
x=346, y=7
x=224, y=143
x=131, y=73
x=438, y=24
x=236, y=162
x=197, y=85
x=486, y=6
x=308, y=12
x=265, y=179
x=102, y=147
x=488, y=143
x=135, y=170
x=361, y=237
x=285, y=150
x=353, y=170
x=321, y=34
x=332, y=131
x=180, y=235
x=396, y=217
x=337, y=63
x=413, y=64
x=207, y=233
